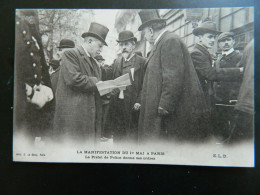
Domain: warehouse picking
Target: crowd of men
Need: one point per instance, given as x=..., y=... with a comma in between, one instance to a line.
x=174, y=94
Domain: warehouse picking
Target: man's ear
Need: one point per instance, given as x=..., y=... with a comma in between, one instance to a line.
x=151, y=30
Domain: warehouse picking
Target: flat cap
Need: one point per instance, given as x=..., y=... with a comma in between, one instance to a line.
x=225, y=35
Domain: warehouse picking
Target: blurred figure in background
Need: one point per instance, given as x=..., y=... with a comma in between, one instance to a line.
x=65, y=44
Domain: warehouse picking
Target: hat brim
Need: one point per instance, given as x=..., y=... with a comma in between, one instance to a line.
x=201, y=30
x=147, y=23
x=131, y=38
x=65, y=46
x=87, y=34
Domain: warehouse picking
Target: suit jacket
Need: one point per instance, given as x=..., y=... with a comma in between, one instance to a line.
x=122, y=110
x=78, y=105
x=207, y=74
x=228, y=89
x=171, y=82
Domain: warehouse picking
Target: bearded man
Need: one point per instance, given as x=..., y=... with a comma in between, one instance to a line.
x=124, y=110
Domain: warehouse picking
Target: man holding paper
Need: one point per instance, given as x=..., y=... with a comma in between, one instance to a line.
x=78, y=114
x=125, y=101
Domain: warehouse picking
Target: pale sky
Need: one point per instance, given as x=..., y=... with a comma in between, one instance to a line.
x=106, y=17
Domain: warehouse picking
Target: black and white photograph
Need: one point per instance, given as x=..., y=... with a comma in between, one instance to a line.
x=136, y=86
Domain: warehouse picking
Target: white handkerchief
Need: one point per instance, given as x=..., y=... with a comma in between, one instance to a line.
x=132, y=72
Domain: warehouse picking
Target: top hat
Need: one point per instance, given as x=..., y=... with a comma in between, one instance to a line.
x=148, y=17
x=98, y=31
x=225, y=35
x=206, y=27
x=99, y=57
x=126, y=36
x=66, y=43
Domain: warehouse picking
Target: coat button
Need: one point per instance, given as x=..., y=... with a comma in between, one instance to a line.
x=35, y=76
x=34, y=65
x=28, y=42
x=17, y=22
x=24, y=32
x=31, y=53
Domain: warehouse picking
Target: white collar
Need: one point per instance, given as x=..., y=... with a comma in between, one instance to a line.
x=85, y=50
x=228, y=52
x=128, y=59
x=159, y=36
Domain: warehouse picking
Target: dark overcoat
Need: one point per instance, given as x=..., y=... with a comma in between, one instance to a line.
x=32, y=69
x=78, y=111
x=123, y=116
x=245, y=101
x=54, y=79
x=207, y=74
x=171, y=82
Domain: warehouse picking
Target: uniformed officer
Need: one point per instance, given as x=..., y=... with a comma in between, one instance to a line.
x=33, y=94
x=226, y=91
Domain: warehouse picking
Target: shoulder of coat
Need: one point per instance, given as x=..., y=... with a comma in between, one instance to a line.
x=140, y=58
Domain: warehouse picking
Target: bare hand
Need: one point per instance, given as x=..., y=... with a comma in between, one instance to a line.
x=162, y=112
x=137, y=106
x=115, y=91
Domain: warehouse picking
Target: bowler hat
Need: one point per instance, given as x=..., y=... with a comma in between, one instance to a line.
x=66, y=43
x=98, y=31
x=99, y=57
x=126, y=36
x=206, y=27
x=225, y=35
x=148, y=17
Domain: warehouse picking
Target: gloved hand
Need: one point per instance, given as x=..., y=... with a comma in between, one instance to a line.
x=39, y=96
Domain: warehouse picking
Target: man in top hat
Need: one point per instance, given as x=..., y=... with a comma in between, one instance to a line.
x=32, y=91
x=65, y=44
x=124, y=111
x=226, y=91
x=202, y=61
x=78, y=111
x=172, y=101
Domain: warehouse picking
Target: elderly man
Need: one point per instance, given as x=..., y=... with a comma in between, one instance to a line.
x=78, y=111
x=33, y=96
x=208, y=73
x=226, y=91
x=124, y=111
x=172, y=101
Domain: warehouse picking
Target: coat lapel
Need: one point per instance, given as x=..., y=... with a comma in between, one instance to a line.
x=155, y=46
x=204, y=50
x=85, y=56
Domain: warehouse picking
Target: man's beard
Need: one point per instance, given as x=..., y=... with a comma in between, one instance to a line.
x=126, y=54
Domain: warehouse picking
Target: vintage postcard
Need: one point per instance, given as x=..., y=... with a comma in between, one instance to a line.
x=166, y=86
